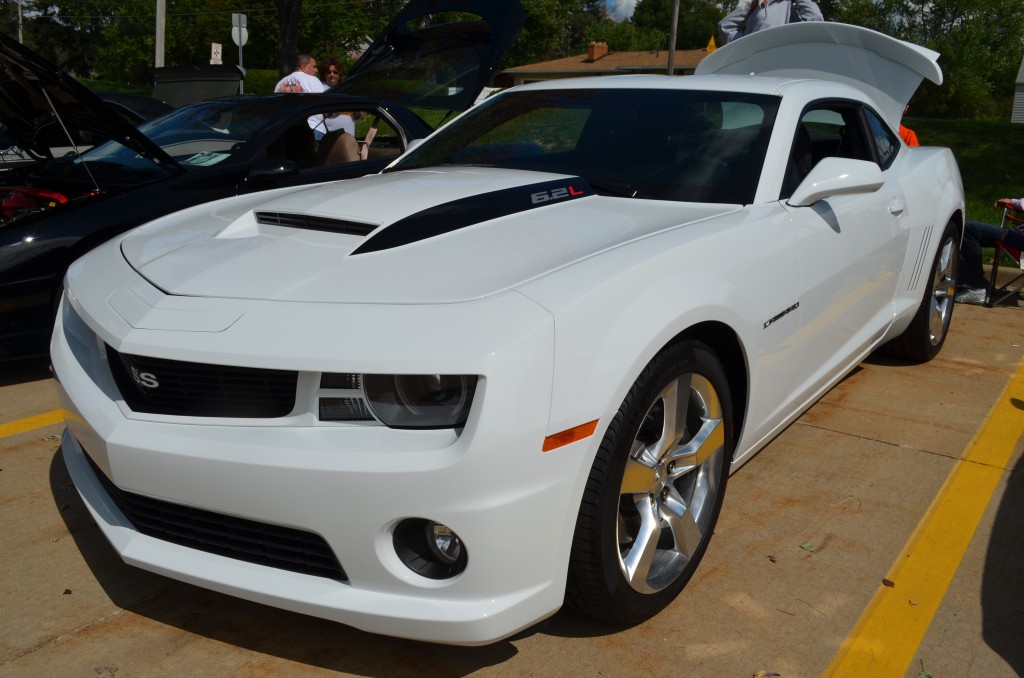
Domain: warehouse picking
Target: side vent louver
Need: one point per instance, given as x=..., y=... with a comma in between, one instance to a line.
x=312, y=223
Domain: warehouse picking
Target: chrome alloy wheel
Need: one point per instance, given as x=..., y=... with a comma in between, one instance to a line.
x=943, y=291
x=671, y=483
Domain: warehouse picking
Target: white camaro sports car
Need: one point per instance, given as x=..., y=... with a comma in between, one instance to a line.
x=517, y=367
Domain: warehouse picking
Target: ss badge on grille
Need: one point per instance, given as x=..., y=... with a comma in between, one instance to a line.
x=145, y=379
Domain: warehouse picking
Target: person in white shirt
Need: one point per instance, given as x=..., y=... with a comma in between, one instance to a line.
x=303, y=78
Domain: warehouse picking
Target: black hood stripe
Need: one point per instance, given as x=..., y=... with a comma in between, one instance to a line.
x=452, y=216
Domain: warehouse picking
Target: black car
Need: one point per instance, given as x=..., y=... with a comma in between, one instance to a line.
x=134, y=108
x=434, y=54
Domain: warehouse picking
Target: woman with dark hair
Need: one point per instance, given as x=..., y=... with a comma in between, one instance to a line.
x=331, y=71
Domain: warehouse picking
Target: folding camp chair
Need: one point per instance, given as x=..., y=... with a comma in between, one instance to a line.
x=999, y=293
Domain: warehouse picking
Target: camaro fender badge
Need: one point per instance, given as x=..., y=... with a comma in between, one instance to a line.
x=775, y=318
x=145, y=379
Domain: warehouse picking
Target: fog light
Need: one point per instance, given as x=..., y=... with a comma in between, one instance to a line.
x=444, y=543
x=429, y=548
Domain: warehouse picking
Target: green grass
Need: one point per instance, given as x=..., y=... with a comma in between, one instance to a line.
x=991, y=160
x=990, y=155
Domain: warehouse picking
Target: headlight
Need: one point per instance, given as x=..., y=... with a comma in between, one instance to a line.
x=420, y=400
x=398, y=400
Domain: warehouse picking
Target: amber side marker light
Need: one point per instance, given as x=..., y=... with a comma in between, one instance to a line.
x=553, y=442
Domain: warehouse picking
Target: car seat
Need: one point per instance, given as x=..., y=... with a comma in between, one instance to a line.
x=337, y=147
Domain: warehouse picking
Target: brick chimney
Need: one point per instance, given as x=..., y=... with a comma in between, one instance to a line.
x=596, y=50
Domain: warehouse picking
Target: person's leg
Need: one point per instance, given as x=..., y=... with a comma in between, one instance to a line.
x=1013, y=237
x=976, y=235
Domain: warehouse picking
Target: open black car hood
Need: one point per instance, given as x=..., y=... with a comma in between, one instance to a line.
x=436, y=53
x=32, y=88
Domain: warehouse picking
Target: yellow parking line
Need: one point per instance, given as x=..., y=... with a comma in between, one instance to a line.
x=38, y=421
x=885, y=640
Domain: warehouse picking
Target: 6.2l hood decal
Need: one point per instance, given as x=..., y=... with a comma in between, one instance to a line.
x=452, y=216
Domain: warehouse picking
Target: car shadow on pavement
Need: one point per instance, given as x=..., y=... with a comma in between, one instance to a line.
x=271, y=631
x=1002, y=583
x=24, y=371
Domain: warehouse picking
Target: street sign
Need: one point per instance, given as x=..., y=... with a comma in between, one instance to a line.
x=239, y=35
x=216, y=52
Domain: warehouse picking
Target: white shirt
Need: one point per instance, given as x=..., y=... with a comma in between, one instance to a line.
x=298, y=82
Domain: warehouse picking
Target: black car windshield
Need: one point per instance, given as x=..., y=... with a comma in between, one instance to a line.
x=206, y=133
x=693, y=146
x=198, y=135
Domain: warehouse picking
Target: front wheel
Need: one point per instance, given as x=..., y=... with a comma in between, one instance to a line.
x=655, y=489
x=923, y=338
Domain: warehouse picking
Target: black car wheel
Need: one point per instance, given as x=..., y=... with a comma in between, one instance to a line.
x=923, y=339
x=655, y=489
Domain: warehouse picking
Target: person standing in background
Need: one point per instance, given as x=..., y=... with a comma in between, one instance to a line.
x=908, y=135
x=331, y=71
x=751, y=16
x=303, y=78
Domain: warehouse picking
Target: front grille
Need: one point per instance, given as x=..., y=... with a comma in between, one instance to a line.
x=283, y=548
x=158, y=386
x=314, y=223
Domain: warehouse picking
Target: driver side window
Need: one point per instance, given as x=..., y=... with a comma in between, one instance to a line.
x=831, y=130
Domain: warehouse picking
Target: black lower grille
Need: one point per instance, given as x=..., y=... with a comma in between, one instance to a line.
x=284, y=548
x=158, y=386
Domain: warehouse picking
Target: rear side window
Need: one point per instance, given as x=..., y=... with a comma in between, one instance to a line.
x=886, y=143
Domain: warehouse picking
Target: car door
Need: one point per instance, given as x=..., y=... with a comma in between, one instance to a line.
x=322, y=151
x=850, y=247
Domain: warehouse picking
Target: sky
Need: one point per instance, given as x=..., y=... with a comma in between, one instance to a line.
x=620, y=9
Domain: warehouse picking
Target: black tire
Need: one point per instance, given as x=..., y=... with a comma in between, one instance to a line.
x=611, y=577
x=924, y=337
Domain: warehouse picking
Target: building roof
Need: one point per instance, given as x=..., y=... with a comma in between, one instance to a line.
x=612, y=63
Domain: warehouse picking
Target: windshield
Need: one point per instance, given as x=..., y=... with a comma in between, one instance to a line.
x=199, y=135
x=692, y=146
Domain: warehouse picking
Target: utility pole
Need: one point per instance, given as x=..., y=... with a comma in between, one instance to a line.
x=672, y=37
x=161, y=24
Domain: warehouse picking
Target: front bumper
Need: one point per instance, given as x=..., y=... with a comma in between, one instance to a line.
x=513, y=506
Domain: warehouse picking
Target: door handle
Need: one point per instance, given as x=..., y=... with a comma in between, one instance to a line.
x=896, y=207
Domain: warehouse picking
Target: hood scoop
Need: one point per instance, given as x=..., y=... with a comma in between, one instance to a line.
x=309, y=222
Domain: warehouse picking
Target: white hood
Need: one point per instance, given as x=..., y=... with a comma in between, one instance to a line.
x=887, y=69
x=222, y=249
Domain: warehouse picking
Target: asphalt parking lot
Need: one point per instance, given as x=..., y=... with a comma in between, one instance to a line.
x=881, y=534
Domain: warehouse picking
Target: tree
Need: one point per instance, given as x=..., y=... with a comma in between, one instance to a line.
x=625, y=36
x=9, y=17
x=288, y=14
x=698, y=20
x=553, y=29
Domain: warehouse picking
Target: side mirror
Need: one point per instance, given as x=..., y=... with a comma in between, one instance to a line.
x=413, y=144
x=269, y=170
x=837, y=176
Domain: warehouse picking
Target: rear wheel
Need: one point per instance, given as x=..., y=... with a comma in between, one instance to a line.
x=923, y=339
x=655, y=489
